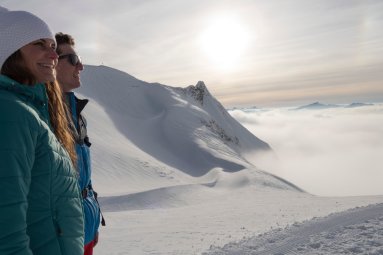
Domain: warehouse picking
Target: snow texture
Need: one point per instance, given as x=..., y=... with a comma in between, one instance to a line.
x=357, y=231
x=171, y=171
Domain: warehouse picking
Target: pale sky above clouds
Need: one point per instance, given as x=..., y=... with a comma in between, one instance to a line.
x=248, y=52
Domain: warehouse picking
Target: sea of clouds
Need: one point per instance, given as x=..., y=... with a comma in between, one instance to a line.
x=327, y=152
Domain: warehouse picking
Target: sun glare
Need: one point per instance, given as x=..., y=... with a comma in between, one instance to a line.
x=224, y=41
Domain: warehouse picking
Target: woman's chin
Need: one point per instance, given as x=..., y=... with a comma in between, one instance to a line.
x=50, y=78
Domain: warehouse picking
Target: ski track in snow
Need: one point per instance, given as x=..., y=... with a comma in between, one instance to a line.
x=356, y=231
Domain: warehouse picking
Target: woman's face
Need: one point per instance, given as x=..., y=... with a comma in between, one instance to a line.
x=40, y=58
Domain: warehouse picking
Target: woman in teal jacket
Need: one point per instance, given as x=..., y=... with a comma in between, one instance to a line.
x=40, y=206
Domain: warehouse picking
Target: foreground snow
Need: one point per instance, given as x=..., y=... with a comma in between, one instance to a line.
x=216, y=216
x=356, y=231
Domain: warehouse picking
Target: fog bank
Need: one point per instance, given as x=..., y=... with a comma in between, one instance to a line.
x=329, y=152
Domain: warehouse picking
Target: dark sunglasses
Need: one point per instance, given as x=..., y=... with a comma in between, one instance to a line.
x=72, y=58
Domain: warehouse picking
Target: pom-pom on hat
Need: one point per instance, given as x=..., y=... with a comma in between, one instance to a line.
x=17, y=29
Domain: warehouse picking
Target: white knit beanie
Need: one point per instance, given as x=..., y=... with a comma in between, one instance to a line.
x=17, y=29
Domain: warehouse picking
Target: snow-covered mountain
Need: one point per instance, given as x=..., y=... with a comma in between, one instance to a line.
x=161, y=135
x=171, y=170
x=181, y=127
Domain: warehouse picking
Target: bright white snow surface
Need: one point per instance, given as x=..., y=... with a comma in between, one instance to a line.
x=171, y=173
x=357, y=231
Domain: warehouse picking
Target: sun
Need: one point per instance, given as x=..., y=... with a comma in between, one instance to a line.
x=224, y=41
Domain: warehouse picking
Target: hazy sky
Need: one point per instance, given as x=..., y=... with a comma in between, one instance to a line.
x=248, y=52
x=331, y=152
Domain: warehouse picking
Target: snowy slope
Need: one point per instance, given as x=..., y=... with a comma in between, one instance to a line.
x=170, y=167
x=184, y=132
x=356, y=231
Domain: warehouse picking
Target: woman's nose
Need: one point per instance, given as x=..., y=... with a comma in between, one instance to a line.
x=53, y=54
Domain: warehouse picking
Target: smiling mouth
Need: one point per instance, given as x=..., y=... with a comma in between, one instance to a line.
x=50, y=66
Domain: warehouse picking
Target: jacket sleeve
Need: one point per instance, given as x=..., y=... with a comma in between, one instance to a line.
x=17, y=153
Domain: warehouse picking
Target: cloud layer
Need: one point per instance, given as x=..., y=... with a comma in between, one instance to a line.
x=331, y=152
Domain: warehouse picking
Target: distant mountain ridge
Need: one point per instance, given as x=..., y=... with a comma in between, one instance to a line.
x=353, y=105
x=320, y=106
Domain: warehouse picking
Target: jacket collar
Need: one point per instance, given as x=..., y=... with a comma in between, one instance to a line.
x=79, y=103
x=35, y=93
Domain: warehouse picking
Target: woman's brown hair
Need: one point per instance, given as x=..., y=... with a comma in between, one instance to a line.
x=58, y=113
x=15, y=69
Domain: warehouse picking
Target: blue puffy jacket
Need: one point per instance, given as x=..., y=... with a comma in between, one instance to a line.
x=91, y=207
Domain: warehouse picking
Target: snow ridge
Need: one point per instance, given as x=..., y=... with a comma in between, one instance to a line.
x=186, y=129
x=314, y=236
x=198, y=92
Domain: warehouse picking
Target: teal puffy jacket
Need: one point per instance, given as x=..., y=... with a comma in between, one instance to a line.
x=40, y=207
